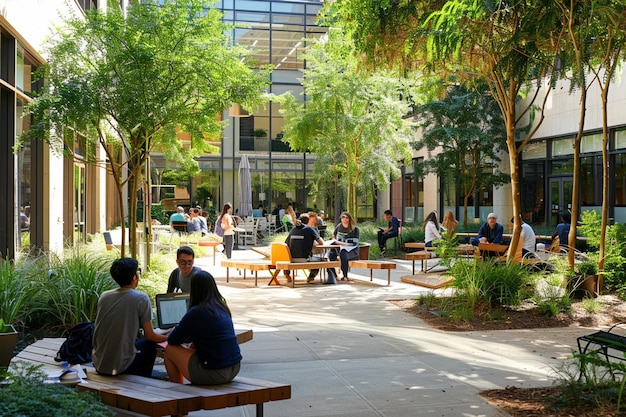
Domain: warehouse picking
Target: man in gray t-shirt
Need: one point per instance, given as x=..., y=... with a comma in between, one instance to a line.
x=180, y=277
x=120, y=314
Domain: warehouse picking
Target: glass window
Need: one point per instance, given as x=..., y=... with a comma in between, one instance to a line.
x=591, y=143
x=591, y=181
x=620, y=179
x=534, y=150
x=287, y=7
x=620, y=139
x=533, y=193
x=261, y=6
x=563, y=166
x=561, y=147
x=287, y=19
x=24, y=167
x=286, y=47
x=243, y=17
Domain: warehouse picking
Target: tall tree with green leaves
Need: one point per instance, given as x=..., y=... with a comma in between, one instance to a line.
x=131, y=83
x=511, y=45
x=351, y=118
x=464, y=135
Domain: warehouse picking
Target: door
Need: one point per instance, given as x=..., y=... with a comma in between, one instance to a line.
x=560, y=198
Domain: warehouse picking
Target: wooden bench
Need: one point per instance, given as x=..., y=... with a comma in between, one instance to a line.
x=423, y=256
x=299, y=266
x=251, y=265
x=371, y=265
x=155, y=397
x=210, y=243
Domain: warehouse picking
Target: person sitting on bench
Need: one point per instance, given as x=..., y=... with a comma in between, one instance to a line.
x=300, y=241
x=212, y=356
x=120, y=313
x=392, y=230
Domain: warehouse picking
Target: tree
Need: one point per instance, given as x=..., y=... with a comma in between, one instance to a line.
x=511, y=45
x=352, y=119
x=467, y=132
x=131, y=84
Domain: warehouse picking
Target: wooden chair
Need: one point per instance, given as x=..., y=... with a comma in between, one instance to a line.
x=179, y=228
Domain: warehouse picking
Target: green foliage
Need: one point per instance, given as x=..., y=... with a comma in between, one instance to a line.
x=156, y=212
x=352, y=120
x=591, y=305
x=70, y=291
x=129, y=81
x=15, y=292
x=28, y=396
x=615, y=253
x=489, y=283
x=154, y=280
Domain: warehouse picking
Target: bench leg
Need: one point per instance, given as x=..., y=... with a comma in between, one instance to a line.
x=413, y=267
x=371, y=274
x=227, y=275
x=389, y=277
x=259, y=410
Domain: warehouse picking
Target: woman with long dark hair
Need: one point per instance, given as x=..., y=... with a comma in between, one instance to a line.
x=203, y=347
x=228, y=225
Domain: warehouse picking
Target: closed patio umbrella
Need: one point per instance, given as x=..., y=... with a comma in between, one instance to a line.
x=245, y=187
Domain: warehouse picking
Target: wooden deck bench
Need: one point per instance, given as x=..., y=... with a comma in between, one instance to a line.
x=371, y=265
x=299, y=266
x=155, y=397
x=247, y=265
x=423, y=256
x=609, y=344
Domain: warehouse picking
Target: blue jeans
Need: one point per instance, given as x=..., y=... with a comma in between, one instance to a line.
x=344, y=256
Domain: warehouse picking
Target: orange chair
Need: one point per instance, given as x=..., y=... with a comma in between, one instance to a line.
x=279, y=251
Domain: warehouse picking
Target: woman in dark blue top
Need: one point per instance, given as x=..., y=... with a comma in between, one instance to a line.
x=203, y=346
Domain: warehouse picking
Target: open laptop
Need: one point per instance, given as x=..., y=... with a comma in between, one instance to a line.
x=170, y=308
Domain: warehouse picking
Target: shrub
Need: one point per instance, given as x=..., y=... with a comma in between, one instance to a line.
x=28, y=396
x=489, y=282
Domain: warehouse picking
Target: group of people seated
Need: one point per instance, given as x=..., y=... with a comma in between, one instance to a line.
x=195, y=218
x=202, y=348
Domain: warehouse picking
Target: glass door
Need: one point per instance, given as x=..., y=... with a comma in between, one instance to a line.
x=560, y=198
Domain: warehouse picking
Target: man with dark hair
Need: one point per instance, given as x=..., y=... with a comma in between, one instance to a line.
x=300, y=241
x=393, y=227
x=180, y=278
x=120, y=314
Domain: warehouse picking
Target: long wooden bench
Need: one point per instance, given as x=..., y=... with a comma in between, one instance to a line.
x=371, y=265
x=247, y=265
x=155, y=397
x=299, y=266
x=423, y=256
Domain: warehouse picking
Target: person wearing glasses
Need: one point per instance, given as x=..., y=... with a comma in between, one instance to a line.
x=180, y=278
x=120, y=314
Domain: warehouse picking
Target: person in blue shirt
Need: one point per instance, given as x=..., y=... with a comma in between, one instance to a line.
x=389, y=232
x=562, y=229
x=203, y=347
x=490, y=232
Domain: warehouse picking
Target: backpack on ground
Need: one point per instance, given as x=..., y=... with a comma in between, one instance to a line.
x=218, y=227
x=78, y=345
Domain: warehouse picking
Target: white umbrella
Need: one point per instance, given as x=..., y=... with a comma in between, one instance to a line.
x=245, y=187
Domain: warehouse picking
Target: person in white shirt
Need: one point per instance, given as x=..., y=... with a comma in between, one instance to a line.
x=528, y=234
x=431, y=229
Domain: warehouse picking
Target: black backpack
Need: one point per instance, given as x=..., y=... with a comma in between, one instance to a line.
x=77, y=347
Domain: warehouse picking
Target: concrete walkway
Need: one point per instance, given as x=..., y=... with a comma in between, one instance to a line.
x=347, y=351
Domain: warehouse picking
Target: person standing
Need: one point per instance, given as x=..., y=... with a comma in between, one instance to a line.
x=346, y=234
x=120, y=313
x=203, y=347
x=392, y=230
x=180, y=277
x=228, y=225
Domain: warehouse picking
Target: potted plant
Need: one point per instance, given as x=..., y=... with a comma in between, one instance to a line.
x=587, y=273
x=260, y=140
x=8, y=339
x=364, y=250
x=14, y=292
